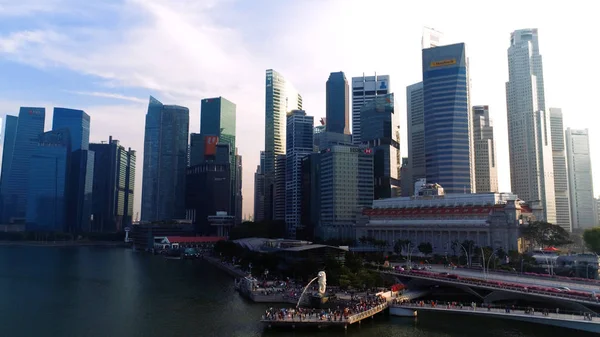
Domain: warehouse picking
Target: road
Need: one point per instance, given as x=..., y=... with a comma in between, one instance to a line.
x=518, y=279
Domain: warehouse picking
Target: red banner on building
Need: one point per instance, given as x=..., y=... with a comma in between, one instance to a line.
x=210, y=145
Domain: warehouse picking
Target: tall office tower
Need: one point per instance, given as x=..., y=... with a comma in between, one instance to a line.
x=431, y=38
x=113, y=186
x=299, y=140
x=416, y=136
x=280, y=98
x=447, y=118
x=10, y=132
x=405, y=178
x=81, y=172
x=337, y=103
x=364, y=89
x=14, y=186
x=165, y=152
x=208, y=187
x=239, y=200
x=47, y=206
x=259, y=195
x=279, y=188
x=581, y=184
x=379, y=124
x=311, y=197
x=559, y=160
x=346, y=187
x=530, y=173
x=596, y=211
x=486, y=169
x=218, y=118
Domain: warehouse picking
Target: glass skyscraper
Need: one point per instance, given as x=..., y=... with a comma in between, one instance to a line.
x=14, y=186
x=416, y=138
x=364, y=89
x=529, y=134
x=165, y=159
x=217, y=118
x=280, y=98
x=10, y=132
x=581, y=182
x=114, y=181
x=447, y=118
x=380, y=133
x=46, y=190
x=299, y=140
x=337, y=103
x=81, y=173
x=78, y=123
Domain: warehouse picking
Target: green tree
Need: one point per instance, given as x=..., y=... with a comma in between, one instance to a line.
x=591, y=237
x=543, y=234
x=425, y=248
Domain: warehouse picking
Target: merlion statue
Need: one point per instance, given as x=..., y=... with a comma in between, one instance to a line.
x=322, y=282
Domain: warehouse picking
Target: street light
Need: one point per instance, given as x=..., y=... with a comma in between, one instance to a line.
x=466, y=253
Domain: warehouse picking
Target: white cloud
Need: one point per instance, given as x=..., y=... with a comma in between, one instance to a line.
x=182, y=51
x=109, y=95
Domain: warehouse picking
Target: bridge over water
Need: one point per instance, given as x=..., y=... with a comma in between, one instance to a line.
x=491, y=288
x=564, y=320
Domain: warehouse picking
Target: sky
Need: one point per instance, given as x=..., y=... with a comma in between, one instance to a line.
x=107, y=57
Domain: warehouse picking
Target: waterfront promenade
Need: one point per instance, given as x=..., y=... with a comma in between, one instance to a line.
x=569, y=320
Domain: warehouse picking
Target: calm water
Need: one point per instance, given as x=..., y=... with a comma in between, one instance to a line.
x=93, y=292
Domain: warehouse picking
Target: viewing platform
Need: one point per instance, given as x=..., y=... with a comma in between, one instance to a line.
x=319, y=322
x=574, y=321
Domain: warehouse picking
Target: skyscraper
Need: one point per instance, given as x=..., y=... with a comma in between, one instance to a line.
x=379, y=132
x=416, y=137
x=218, y=118
x=299, y=140
x=113, y=186
x=47, y=206
x=259, y=195
x=15, y=187
x=280, y=98
x=81, y=171
x=239, y=199
x=447, y=118
x=364, y=89
x=165, y=156
x=337, y=96
x=431, y=38
x=581, y=184
x=486, y=170
x=279, y=185
x=559, y=160
x=531, y=173
x=10, y=132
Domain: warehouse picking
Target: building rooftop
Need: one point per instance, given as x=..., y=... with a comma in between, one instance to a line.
x=194, y=239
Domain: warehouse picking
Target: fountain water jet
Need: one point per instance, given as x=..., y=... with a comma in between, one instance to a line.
x=322, y=286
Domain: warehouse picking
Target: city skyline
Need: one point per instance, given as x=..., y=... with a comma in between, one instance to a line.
x=115, y=94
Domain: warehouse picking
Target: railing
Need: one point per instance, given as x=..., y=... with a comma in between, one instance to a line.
x=516, y=311
x=365, y=314
x=485, y=284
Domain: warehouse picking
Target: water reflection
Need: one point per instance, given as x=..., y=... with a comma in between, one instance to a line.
x=97, y=292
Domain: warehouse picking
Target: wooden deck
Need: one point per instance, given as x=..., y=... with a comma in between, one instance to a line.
x=318, y=323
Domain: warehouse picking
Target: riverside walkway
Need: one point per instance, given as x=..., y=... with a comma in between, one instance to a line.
x=574, y=321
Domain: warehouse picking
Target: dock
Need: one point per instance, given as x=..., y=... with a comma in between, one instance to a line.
x=321, y=323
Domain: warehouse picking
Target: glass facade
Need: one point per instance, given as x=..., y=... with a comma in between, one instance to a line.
x=280, y=98
x=447, y=122
x=299, y=139
x=416, y=138
x=79, y=182
x=78, y=123
x=14, y=188
x=10, y=132
x=337, y=104
x=217, y=118
x=165, y=159
x=379, y=133
x=46, y=188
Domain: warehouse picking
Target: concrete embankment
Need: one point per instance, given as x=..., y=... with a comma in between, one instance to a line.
x=229, y=269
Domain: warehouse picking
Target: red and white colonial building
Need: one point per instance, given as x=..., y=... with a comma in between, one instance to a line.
x=489, y=219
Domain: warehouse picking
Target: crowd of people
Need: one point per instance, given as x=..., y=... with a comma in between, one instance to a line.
x=342, y=311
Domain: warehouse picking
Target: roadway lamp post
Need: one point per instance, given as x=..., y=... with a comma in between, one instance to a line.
x=466, y=254
x=409, y=255
x=489, y=261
